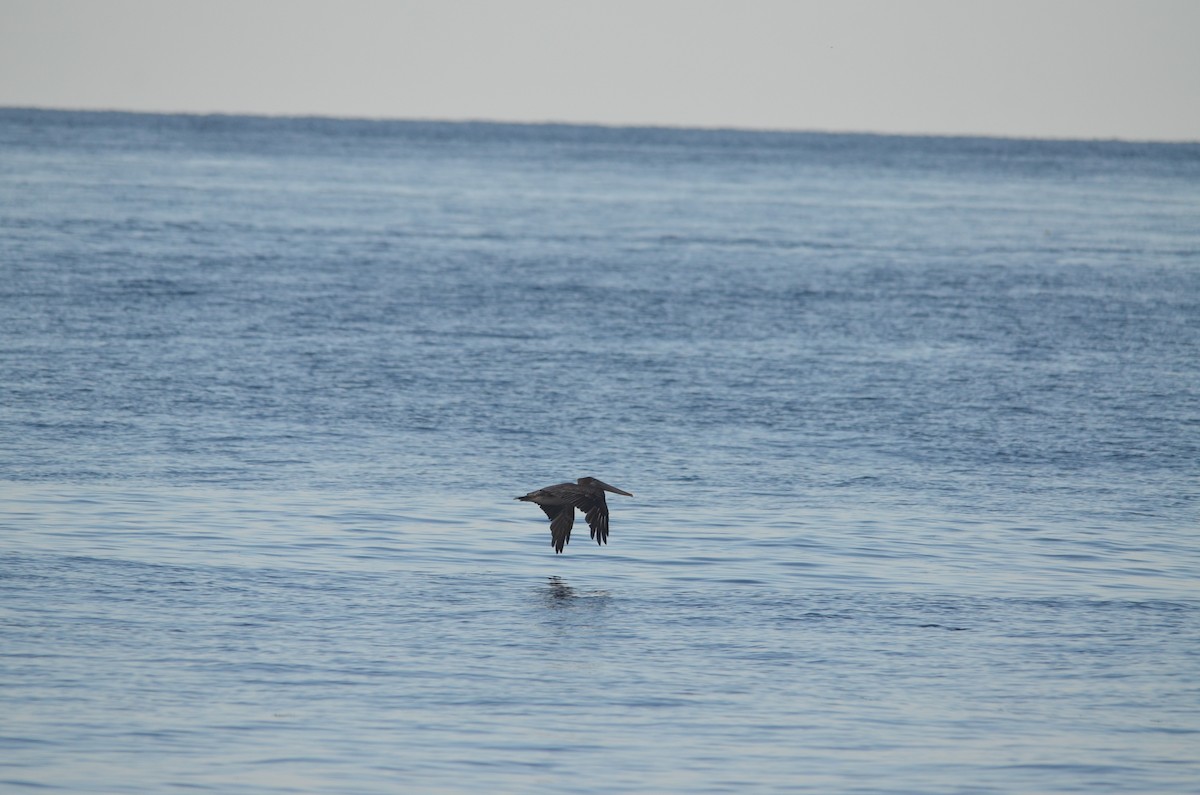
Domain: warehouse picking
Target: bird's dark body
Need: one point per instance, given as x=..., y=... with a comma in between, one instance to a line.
x=560, y=501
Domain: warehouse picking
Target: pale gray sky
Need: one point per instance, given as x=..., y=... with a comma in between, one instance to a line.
x=1057, y=68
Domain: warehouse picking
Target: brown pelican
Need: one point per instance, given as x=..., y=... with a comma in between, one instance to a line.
x=559, y=502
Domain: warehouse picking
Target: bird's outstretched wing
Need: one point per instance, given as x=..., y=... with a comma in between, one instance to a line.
x=562, y=519
x=595, y=508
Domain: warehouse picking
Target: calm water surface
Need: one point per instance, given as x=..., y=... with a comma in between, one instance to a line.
x=912, y=424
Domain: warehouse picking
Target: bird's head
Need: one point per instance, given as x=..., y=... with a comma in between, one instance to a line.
x=600, y=484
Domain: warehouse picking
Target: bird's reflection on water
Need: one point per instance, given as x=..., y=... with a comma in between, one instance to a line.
x=559, y=590
x=559, y=593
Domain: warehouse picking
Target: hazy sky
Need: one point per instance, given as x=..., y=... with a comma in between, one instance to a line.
x=1088, y=68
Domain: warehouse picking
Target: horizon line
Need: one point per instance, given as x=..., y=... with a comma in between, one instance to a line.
x=716, y=128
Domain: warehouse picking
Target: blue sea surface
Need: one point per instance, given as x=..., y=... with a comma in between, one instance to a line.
x=912, y=425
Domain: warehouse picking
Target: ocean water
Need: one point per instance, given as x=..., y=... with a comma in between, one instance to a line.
x=912, y=425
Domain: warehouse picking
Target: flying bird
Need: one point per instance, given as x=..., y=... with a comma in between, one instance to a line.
x=560, y=501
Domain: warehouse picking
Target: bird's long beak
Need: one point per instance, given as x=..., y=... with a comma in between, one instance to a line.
x=613, y=489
